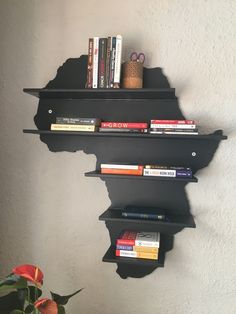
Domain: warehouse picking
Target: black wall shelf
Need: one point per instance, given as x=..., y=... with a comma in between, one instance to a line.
x=66, y=96
x=136, y=177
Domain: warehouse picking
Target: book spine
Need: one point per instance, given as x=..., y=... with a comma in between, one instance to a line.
x=172, y=122
x=90, y=64
x=117, y=69
x=186, y=130
x=124, y=247
x=108, y=60
x=143, y=216
x=129, y=242
x=122, y=171
x=174, y=132
x=120, y=166
x=73, y=127
x=112, y=63
x=134, y=254
x=159, y=172
x=138, y=248
x=126, y=130
x=128, y=125
x=172, y=126
x=95, y=61
x=90, y=121
x=102, y=62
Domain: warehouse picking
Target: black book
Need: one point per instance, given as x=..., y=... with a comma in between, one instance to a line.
x=149, y=213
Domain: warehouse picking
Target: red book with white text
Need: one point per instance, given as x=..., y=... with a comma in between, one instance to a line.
x=134, y=238
x=172, y=122
x=125, y=125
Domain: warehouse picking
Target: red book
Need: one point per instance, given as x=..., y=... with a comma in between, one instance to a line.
x=138, y=172
x=172, y=122
x=127, y=238
x=125, y=125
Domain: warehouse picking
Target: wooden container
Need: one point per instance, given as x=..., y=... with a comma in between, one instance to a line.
x=132, y=75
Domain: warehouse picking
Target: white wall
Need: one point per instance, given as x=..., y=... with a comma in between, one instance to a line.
x=44, y=195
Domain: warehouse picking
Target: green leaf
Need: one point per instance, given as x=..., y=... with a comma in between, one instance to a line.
x=61, y=309
x=10, y=302
x=35, y=293
x=62, y=300
x=29, y=308
x=17, y=312
x=13, y=282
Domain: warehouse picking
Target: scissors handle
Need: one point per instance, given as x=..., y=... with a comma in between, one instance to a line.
x=134, y=56
x=137, y=57
x=141, y=57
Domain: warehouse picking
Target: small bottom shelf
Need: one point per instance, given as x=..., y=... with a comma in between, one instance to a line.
x=110, y=257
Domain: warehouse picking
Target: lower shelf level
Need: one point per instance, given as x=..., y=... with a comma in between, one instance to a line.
x=111, y=257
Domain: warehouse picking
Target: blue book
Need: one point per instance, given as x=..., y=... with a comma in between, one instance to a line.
x=151, y=213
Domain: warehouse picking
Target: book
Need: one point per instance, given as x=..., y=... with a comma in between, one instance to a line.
x=108, y=60
x=172, y=126
x=95, y=61
x=173, y=132
x=117, y=69
x=90, y=64
x=86, y=121
x=125, y=125
x=125, y=130
x=112, y=62
x=73, y=127
x=121, y=166
x=138, y=172
x=102, y=62
x=135, y=238
x=151, y=213
x=138, y=248
x=172, y=122
x=134, y=254
x=178, y=173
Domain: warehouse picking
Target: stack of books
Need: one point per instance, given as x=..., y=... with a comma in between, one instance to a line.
x=184, y=127
x=135, y=170
x=76, y=124
x=147, y=213
x=104, y=62
x=138, y=244
x=165, y=171
x=128, y=127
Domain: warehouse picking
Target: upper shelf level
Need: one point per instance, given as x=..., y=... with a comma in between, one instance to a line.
x=112, y=93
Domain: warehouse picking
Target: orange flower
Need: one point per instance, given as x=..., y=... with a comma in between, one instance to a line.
x=30, y=273
x=46, y=306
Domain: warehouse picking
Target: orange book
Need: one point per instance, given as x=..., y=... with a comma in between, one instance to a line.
x=135, y=172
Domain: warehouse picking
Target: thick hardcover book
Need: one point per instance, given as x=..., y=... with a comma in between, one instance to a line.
x=102, y=62
x=135, y=238
x=73, y=127
x=118, y=58
x=138, y=172
x=138, y=248
x=125, y=125
x=181, y=173
x=90, y=64
x=135, y=254
x=144, y=213
x=112, y=62
x=86, y=121
x=121, y=166
x=95, y=61
x=108, y=61
x=172, y=126
x=126, y=130
x=172, y=122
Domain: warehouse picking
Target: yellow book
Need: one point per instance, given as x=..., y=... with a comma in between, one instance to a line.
x=73, y=127
x=145, y=249
x=136, y=254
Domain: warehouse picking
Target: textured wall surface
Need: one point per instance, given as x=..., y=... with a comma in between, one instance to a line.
x=44, y=195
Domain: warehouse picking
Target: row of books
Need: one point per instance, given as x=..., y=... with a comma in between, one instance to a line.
x=95, y=125
x=146, y=170
x=104, y=62
x=136, y=244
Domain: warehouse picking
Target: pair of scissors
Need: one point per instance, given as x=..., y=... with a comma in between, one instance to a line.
x=137, y=57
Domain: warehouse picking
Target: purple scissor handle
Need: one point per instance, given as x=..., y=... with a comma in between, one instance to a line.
x=137, y=57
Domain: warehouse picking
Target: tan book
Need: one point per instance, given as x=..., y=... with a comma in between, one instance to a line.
x=73, y=127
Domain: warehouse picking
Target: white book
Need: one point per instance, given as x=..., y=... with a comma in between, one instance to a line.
x=118, y=60
x=159, y=172
x=172, y=126
x=174, y=132
x=150, y=239
x=95, y=61
x=119, y=166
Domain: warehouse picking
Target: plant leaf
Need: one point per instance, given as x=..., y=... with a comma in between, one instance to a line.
x=29, y=308
x=62, y=300
x=13, y=282
x=61, y=309
x=35, y=293
x=10, y=302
